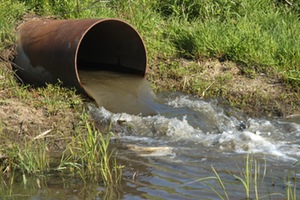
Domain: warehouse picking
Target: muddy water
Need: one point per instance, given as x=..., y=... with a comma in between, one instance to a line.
x=120, y=92
x=166, y=153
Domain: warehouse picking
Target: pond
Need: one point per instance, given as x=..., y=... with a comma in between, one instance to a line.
x=181, y=147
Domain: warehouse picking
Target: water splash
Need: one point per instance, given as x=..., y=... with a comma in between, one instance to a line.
x=202, y=124
x=183, y=121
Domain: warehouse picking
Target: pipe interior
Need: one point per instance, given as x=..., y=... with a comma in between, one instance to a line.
x=112, y=45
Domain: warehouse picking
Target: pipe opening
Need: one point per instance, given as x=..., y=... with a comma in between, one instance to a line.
x=112, y=45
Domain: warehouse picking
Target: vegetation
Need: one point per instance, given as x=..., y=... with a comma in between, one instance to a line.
x=187, y=41
x=68, y=129
x=89, y=156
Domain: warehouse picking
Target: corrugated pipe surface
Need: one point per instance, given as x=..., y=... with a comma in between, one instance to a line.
x=52, y=50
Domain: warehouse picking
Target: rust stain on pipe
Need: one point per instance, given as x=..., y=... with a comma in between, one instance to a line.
x=52, y=50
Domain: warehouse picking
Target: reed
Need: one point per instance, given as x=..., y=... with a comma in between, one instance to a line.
x=221, y=184
x=251, y=177
x=290, y=186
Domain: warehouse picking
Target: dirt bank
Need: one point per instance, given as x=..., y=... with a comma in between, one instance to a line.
x=257, y=94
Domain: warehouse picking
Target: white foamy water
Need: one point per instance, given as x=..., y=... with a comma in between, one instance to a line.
x=188, y=121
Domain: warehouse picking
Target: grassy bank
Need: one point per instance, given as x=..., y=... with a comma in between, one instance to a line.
x=246, y=53
x=187, y=39
x=257, y=35
x=47, y=130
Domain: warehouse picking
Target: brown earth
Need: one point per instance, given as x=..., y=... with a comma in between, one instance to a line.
x=27, y=112
x=258, y=95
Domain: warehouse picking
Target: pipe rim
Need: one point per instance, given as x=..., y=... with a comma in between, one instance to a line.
x=99, y=22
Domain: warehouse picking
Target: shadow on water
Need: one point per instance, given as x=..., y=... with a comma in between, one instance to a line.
x=56, y=187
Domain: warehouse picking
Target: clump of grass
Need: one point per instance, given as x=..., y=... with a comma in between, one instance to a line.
x=291, y=187
x=29, y=157
x=249, y=178
x=88, y=155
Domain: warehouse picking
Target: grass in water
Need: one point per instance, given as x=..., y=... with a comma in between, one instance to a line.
x=291, y=187
x=89, y=156
x=252, y=178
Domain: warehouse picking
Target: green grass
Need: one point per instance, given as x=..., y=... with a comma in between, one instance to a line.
x=260, y=35
x=88, y=155
x=264, y=36
x=10, y=12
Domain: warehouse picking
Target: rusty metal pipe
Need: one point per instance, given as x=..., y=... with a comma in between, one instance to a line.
x=52, y=50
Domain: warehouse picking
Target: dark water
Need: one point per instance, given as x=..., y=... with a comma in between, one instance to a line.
x=176, y=142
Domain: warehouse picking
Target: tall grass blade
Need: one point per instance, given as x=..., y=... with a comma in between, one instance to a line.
x=220, y=182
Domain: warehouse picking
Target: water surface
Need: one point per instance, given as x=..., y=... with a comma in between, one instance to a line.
x=166, y=152
x=168, y=142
